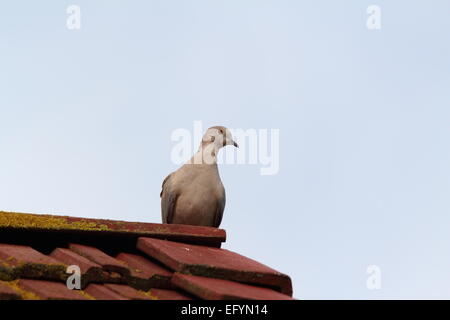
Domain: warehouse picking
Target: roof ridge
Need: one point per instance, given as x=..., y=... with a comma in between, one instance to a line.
x=30, y=222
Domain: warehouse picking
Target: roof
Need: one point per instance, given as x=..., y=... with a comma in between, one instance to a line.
x=122, y=260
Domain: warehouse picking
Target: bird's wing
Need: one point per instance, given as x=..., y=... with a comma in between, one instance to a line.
x=219, y=211
x=163, y=184
x=168, y=201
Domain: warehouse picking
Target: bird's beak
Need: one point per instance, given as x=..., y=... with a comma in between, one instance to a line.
x=235, y=144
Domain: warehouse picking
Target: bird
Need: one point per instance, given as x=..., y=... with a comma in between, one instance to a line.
x=194, y=194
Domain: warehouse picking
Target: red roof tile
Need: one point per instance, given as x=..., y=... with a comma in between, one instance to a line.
x=117, y=263
x=214, y=262
x=69, y=257
x=145, y=274
x=143, y=266
x=107, y=262
x=52, y=223
x=128, y=292
x=7, y=293
x=90, y=270
x=23, y=261
x=218, y=289
x=50, y=290
x=163, y=294
x=101, y=292
x=13, y=255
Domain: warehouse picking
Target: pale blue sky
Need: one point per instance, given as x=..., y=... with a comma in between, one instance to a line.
x=86, y=118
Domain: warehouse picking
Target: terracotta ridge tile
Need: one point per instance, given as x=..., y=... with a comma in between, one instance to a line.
x=45, y=222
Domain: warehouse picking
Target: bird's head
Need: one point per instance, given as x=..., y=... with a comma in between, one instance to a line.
x=219, y=136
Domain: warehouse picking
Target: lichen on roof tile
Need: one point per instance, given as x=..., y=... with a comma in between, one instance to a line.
x=28, y=220
x=21, y=261
x=35, y=251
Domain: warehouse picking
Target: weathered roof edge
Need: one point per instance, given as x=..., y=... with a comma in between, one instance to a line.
x=62, y=224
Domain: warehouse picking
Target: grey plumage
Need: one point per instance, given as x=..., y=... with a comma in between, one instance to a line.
x=194, y=194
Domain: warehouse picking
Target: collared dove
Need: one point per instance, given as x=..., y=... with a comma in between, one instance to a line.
x=194, y=194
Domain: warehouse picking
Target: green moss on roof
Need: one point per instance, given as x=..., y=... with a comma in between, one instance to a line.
x=33, y=221
x=26, y=295
x=149, y=294
x=29, y=221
